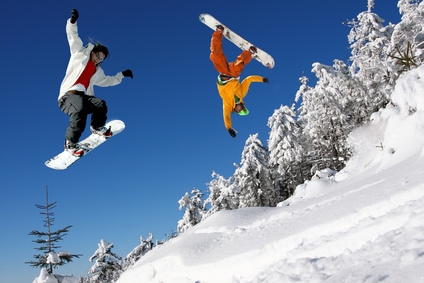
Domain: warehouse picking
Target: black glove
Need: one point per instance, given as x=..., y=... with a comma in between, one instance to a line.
x=232, y=132
x=266, y=80
x=127, y=73
x=74, y=16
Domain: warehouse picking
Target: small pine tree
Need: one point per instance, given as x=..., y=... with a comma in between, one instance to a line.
x=49, y=259
x=194, y=210
x=223, y=195
x=253, y=177
x=107, y=267
x=285, y=152
x=145, y=246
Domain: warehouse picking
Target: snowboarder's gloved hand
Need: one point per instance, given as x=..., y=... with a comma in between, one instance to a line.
x=74, y=16
x=266, y=80
x=127, y=73
x=232, y=132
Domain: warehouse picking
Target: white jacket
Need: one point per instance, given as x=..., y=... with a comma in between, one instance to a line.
x=79, y=58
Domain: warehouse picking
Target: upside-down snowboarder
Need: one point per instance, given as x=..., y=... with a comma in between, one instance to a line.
x=230, y=89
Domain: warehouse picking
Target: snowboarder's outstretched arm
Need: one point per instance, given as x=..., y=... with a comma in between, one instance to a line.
x=75, y=42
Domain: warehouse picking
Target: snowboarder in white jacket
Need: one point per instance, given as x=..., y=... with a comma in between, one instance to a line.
x=76, y=96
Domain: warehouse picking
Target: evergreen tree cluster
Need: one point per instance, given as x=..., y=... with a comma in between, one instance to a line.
x=108, y=266
x=310, y=136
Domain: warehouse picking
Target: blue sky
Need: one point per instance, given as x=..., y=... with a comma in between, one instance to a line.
x=174, y=136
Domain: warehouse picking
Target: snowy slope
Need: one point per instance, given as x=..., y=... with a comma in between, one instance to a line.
x=365, y=224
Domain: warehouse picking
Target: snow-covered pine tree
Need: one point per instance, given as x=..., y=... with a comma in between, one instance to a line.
x=252, y=178
x=222, y=194
x=373, y=75
x=407, y=41
x=285, y=152
x=107, y=266
x=315, y=118
x=194, y=210
x=306, y=121
x=139, y=251
x=48, y=240
x=333, y=124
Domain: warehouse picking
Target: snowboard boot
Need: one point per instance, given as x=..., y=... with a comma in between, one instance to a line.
x=253, y=50
x=73, y=149
x=220, y=28
x=102, y=131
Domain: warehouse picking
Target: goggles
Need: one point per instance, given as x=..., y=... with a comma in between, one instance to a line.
x=98, y=57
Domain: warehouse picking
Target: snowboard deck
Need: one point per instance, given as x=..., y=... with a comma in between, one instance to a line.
x=65, y=159
x=261, y=56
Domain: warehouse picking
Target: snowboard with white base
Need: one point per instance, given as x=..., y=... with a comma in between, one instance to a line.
x=239, y=41
x=65, y=159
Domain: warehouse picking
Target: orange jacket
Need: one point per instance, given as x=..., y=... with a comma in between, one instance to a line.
x=227, y=92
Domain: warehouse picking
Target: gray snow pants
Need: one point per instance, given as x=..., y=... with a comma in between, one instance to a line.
x=77, y=106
